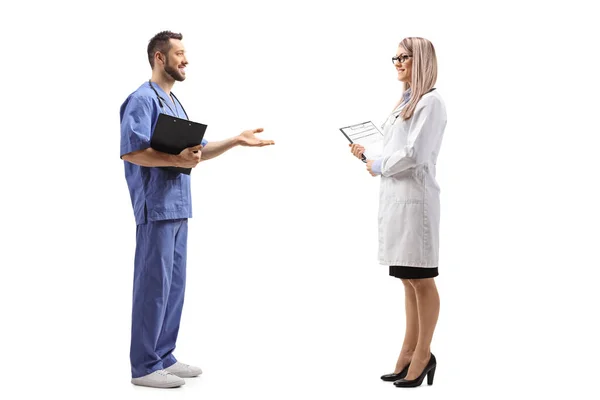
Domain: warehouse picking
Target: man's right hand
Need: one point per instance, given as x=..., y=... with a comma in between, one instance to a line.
x=190, y=157
x=357, y=150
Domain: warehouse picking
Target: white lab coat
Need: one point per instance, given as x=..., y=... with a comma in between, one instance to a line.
x=409, y=202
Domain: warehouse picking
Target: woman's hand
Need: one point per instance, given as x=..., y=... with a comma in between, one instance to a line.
x=357, y=150
x=370, y=167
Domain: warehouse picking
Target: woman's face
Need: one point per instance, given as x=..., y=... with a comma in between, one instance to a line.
x=403, y=65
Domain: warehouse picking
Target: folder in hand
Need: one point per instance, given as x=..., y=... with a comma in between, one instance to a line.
x=172, y=135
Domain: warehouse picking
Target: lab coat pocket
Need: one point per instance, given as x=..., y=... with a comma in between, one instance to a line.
x=402, y=231
x=405, y=187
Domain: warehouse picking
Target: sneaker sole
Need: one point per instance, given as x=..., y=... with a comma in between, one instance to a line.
x=167, y=385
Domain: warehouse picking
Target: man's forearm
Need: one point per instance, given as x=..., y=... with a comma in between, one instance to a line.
x=214, y=149
x=152, y=158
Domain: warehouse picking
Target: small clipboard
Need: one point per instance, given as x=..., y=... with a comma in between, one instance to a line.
x=358, y=133
x=171, y=135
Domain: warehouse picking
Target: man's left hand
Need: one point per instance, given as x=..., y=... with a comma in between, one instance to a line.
x=248, y=138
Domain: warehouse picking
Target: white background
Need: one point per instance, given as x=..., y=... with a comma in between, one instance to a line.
x=285, y=297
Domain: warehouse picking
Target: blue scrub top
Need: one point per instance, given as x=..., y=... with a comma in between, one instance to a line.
x=156, y=194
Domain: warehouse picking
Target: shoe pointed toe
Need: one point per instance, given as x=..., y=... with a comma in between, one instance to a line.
x=395, y=377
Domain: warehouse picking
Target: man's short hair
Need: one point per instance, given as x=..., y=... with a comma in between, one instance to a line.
x=160, y=42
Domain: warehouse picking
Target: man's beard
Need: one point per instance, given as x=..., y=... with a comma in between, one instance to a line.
x=174, y=72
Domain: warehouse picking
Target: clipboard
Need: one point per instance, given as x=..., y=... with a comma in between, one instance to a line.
x=364, y=133
x=172, y=134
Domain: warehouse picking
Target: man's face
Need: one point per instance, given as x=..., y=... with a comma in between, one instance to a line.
x=175, y=61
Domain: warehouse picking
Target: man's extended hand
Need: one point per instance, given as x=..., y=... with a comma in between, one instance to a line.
x=248, y=138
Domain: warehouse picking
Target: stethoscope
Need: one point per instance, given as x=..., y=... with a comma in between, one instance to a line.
x=161, y=101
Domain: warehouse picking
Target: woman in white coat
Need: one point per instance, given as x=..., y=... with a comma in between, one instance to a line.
x=409, y=205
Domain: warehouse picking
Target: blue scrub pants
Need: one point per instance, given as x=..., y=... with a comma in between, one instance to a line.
x=158, y=292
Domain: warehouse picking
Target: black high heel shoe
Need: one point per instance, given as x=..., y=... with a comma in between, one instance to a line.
x=395, y=377
x=429, y=371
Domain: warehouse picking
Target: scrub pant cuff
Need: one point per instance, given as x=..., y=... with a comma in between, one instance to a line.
x=168, y=361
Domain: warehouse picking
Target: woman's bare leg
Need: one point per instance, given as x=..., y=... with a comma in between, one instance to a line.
x=428, y=306
x=411, y=335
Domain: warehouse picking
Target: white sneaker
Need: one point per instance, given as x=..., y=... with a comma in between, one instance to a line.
x=184, y=370
x=159, y=379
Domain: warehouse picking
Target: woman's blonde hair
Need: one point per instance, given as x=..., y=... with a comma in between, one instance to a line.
x=424, y=71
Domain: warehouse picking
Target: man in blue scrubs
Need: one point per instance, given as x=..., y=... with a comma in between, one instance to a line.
x=162, y=204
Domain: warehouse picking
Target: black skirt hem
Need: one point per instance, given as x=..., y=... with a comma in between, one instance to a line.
x=402, y=272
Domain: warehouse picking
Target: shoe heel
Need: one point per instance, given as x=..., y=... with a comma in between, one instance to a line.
x=430, y=376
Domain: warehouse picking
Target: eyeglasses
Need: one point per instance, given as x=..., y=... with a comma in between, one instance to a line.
x=401, y=59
